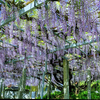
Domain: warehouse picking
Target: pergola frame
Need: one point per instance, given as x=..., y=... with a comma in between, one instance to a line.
x=29, y=8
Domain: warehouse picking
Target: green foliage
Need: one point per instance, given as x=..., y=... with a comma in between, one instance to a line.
x=27, y=87
x=81, y=95
x=93, y=83
x=82, y=83
x=94, y=91
x=55, y=95
x=73, y=96
x=94, y=95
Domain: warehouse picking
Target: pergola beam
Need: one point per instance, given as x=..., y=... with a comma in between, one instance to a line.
x=23, y=11
x=66, y=47
x=8, y=43
x=29, y=8
x=75, y=45
x=3, y=2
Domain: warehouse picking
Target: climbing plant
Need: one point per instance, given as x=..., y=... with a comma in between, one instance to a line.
x=39, y=33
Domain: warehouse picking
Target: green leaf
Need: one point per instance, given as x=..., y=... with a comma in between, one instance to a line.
x=16, y=1
x=3, y=36
x=10, y=40
x=58, y=5
x=86, y=32
x=34, y=13
x=41, y=42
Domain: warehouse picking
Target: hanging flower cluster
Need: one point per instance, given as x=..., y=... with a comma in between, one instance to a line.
x=45, y=37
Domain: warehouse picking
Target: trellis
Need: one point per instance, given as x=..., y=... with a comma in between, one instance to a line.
x=29, y=8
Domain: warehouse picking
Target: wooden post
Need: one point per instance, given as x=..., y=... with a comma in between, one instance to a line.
x=49, y=86
x=46, y=59
x=89, y=84
x=22, y=84
x=42, y=85
x=66, y=78
x=30, y=91
x=39, y=89
x=1, y=89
